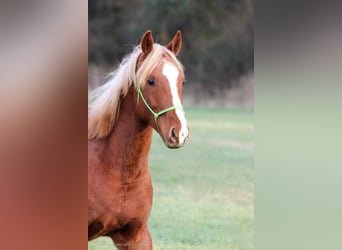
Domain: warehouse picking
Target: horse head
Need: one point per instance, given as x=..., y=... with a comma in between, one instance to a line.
x=160, y=78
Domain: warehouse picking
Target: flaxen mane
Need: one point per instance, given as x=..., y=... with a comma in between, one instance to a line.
x=106, y=98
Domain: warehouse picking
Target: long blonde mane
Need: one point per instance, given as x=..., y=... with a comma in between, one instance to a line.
x=106, y=98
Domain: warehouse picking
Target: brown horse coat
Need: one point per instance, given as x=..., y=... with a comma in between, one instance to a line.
x=119, y=181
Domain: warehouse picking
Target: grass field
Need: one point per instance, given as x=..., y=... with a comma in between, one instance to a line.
x=203, y=193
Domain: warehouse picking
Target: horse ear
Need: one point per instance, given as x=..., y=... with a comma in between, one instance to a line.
x=176, y=43
x=146, y=43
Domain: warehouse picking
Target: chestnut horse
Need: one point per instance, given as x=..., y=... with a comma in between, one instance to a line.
x=143, y=94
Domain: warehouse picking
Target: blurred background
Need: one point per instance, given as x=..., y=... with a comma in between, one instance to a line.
x=217, y=47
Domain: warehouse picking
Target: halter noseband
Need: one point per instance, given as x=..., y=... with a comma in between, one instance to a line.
x=156, y=115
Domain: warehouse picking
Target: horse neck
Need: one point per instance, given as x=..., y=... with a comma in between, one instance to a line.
x=129, y=143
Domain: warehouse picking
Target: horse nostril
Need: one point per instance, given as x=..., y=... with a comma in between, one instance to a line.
x=173, y=135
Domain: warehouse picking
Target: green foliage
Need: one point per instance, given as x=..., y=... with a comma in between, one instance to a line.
x=203, y=192
x=218, y=34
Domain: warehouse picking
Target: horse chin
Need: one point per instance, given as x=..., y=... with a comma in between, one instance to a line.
x=172, y=145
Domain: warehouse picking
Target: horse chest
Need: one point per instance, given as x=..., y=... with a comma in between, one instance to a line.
x=135, y=199
x=133, y=204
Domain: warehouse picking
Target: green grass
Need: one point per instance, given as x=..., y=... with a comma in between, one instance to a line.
x=203, y=193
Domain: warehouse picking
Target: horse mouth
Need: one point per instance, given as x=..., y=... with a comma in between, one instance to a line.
x=173, y=144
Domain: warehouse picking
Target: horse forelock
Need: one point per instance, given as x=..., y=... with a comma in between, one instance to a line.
x=151, y=61
x=106, y=98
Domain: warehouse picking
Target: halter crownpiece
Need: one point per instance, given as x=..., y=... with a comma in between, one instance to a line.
x=156, y=115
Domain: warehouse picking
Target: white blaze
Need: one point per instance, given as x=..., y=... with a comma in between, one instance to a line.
x=171, y=74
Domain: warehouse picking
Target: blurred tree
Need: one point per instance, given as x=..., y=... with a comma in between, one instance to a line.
x=218, y=35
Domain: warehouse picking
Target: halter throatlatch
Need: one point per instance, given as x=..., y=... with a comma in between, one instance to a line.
x=156, y=115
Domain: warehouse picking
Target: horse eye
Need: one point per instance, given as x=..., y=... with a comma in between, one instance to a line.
x=150, y=82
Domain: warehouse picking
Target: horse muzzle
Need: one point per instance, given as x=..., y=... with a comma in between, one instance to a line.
x=177, y=138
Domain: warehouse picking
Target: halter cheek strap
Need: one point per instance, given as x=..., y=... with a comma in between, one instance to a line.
x=156, y=115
